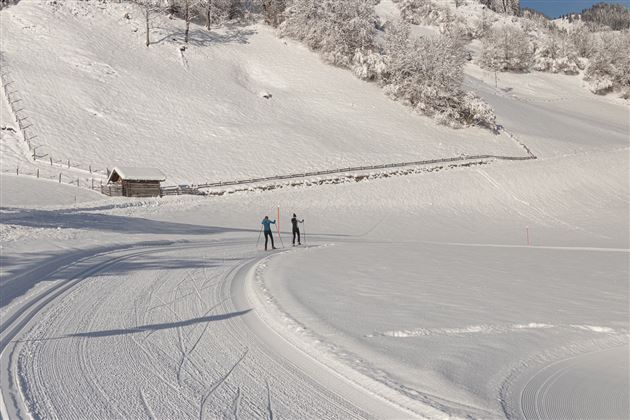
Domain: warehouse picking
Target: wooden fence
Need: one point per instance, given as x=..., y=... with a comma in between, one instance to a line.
x=356, y=169
x=26, y=126
x=194, y=189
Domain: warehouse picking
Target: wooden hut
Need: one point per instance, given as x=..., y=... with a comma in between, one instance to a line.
x=134, y=182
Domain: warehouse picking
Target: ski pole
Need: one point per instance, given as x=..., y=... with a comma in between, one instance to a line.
x=304, y=228
x=259, y=233
x=278, y=225
x=280, y=236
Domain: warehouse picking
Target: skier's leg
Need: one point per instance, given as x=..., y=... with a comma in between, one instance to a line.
x=266, y=239
x=272, y=244
x=299, y=241
x=294, y=237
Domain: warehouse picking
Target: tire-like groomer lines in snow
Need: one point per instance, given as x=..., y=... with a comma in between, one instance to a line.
x=572, y=388
x=163, y=332
x=18, y=318
x=69, y=269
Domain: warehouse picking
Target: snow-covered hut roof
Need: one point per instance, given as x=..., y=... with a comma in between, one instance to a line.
x=136, y=174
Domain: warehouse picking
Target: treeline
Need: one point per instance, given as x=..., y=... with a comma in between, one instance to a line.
x=509, y=7
x=533, y=42
x=539, y=44
x=612, y=15
x=424, y=73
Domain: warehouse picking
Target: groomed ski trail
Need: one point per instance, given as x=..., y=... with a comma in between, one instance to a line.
x=165, y=330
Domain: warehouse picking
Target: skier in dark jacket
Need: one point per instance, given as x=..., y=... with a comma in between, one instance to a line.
x=296, y=229
x=267, y=228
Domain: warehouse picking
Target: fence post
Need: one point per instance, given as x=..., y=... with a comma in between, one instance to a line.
x=68, y=163
x=60, y=177
x=92, y=183
x=90, y=168
x=77, y=182
x=17, y=170
x=37, y=172
x=51, y=161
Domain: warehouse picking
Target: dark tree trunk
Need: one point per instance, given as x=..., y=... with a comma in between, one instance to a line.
x=187, y=19
x=146, y=16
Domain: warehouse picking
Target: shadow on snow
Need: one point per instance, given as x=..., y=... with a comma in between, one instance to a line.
x=69, y=266
x=80, y=219
x=158, y=327
x=203, y=37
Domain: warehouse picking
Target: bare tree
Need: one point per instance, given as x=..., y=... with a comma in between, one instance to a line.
x=510, y=7
x=149, y=6
x=273, y=10
x=235, y=10
x=209, y=10
x=190, y=11
x=582, y=38
x=506, y=48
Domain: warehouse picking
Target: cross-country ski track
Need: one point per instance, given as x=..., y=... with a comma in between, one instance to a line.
x=449, y=273
x=182, y=315
x=570, y=389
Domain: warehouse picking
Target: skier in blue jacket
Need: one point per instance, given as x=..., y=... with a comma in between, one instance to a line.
x=267, y=228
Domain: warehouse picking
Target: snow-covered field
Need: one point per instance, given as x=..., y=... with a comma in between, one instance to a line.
x=490, y=291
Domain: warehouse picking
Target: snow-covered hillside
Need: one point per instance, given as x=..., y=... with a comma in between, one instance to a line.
x=494, y=290
x=96, y=95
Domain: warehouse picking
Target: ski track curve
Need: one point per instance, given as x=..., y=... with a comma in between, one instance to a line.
x=161, y=330
x=588, y=386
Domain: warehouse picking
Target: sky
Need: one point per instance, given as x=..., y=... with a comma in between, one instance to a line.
x=555, y=8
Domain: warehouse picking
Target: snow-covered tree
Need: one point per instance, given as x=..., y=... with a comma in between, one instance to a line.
x=483, y=25
x=414, y=11
x=338, y=29
x=609, y=67
x=532, y=14
x=557, y=54
x=273, y=11
x=369, y=65
x=210, y=11
x=422, y=12
x=189, y=11
x=149, y=7
x=235, y=9
x=302, y=21
x=582, y=39
x=509, y=7
x=615, y=16
x=506, y=48
x=427, y=74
